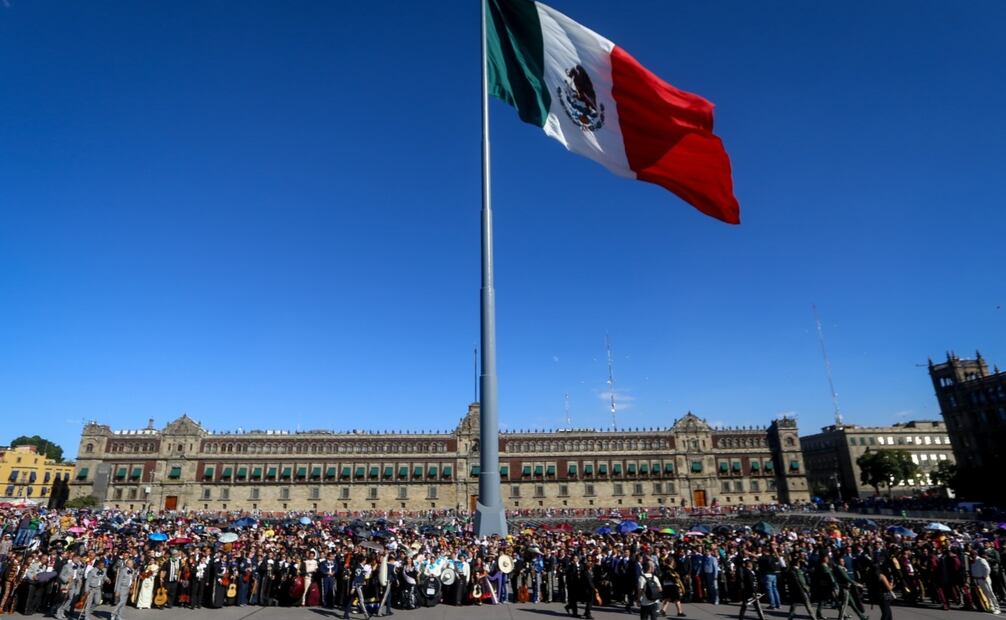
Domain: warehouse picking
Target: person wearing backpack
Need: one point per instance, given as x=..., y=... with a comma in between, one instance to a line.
x=648, y=592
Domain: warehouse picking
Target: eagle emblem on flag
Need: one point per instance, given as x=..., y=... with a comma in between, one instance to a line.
x=579, y=100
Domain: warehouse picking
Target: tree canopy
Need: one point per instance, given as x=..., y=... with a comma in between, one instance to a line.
x=44, y=446
x=886, y=467
x=946, y=475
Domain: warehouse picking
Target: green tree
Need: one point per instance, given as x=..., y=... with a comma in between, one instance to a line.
x=44, y=446
x=946, y=475
x=86, y=501
x=886, y=467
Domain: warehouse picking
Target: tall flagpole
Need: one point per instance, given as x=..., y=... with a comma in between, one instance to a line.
x=490, y=517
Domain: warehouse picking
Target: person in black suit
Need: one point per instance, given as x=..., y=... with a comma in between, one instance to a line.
x=749, y=590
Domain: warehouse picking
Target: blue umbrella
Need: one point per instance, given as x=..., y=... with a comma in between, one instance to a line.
x=158, y=537
x=904, y=532
x=938, y=527
x=245, y=522
x=604, y=530
x=698, y=527
x=626, y=527
x=305, y=521
x=866, y=524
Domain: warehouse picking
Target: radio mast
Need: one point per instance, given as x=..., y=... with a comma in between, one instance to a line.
x=827, y=366
x=569, y=419
x=611, y=382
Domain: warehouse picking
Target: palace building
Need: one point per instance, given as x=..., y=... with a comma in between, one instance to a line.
x=187, y=467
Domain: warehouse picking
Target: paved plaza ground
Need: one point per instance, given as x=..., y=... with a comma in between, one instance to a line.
x=503, y=612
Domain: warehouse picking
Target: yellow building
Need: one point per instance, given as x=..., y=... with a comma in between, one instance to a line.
x=27, y=475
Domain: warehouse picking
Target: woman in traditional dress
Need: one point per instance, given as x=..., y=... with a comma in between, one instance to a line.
x=145, y=599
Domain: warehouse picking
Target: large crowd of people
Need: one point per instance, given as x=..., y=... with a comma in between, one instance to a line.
x=68, y=562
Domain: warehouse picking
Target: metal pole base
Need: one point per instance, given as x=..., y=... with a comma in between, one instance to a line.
x=490, y=520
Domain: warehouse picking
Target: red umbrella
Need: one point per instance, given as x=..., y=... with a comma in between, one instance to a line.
x=181, y=540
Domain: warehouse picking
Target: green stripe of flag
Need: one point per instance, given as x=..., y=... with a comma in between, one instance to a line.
x=515, y=59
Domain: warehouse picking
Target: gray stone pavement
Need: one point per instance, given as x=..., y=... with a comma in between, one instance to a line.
x=502, y=612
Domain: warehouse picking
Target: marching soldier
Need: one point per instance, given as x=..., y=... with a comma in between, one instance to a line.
x=847, y=597
x=749, y=591
x=123, y=583
x=799, y=591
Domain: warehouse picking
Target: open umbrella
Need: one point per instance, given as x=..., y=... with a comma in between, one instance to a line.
x=604, y=530
x=245, y=522
x=866, y=524
x=695, y=533
x=669, y=530
x=305, y=520
x=764, y=527
x=158, y=537
x=898, y=530
x=722, y=530
x=228, y=537
x=373, y=546
x=698, y=527
x=77, y=530
x=938, y=527
x=626, y=527
x=181, y=540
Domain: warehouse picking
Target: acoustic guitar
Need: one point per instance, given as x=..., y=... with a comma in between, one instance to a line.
x=232, y=590
x=161, y=597
x=523, y=596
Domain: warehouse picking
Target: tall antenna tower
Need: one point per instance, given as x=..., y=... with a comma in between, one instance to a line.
x=827, y=366
x=611, y=381
x=569, y=419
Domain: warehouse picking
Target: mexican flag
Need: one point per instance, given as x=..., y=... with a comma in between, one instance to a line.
x=598, y=101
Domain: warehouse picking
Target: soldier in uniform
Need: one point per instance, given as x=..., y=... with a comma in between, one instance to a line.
x=799, y=590
x=749, y=590
x=123, y=583
x=70, y=578
x=848, y=598
x=93, y=582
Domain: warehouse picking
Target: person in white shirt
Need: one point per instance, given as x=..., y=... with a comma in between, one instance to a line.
x=648, y=591
x=980, y=572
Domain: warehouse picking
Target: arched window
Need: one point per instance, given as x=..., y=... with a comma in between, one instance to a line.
x=89, y=447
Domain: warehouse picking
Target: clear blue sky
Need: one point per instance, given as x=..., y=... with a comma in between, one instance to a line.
x=266, y=214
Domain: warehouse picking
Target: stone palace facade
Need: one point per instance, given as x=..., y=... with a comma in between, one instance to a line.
x=186, y=467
